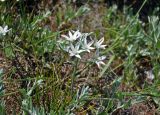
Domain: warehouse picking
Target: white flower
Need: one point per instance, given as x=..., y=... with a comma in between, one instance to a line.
x=74, y=51
x=4, y=30
x=99, y=45
x=87, y=46
x=72, y=37
x=99, y=61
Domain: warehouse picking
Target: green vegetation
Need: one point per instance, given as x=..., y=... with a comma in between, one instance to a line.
x=56, y=62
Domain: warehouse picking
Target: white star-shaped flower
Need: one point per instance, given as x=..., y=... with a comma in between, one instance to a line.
x=74, y=51
x=99, y=61
x=4, y=30
x=87, y=46
x=74, y=35
x=99, y=45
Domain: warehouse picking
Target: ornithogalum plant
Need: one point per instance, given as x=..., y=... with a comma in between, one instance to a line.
x=77, y=44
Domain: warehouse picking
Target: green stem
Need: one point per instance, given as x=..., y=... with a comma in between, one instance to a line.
x=73, y=76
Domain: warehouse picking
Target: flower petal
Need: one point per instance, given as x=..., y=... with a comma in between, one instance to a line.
x=65, y=37
x=70, y=34
x=90, y=43
x=5, y=28
x=78, y=56
x=101, y=40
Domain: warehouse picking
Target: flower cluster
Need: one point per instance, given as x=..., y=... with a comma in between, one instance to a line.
x=76, y=43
